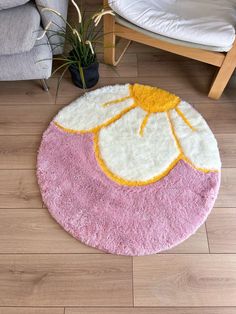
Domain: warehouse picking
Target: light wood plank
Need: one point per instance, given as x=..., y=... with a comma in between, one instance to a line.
x=221, y=117
x=65, y=280
x=190, y=91
x=82, y=279
x=69, y=92
x=194, y=91
x=184, y=67
x=18, y=152
x=147, y=310
x=222, y=126
x=31, y=310
x=27, y=92
x=150, y=54
x=197, y=243
x=221, y=229
x=213, y=110
x=185, y=280
x=26, y=119
x=127, y=67
x=35, y=231
x=227, y=145
x=227, y=195
x=19, y=189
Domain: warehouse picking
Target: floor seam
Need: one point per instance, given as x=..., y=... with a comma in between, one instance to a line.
x=208, y=243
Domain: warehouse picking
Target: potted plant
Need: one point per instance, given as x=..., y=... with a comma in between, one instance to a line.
x=81, y=39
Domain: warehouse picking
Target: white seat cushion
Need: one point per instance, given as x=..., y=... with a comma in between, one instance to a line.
x=204, y=22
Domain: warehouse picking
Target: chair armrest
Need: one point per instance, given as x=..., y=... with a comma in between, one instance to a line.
x=62, y=7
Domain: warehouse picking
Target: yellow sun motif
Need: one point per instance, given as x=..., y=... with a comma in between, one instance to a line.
x=140, y=136
x=151, y=100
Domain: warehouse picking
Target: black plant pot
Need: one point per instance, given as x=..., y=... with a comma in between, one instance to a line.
x=91, y=75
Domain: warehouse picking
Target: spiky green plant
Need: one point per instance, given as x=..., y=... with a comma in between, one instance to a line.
x=81, y=38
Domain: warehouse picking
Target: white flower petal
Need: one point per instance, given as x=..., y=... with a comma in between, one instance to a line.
x=88, y=112
x=127, y=157
x=199, y=146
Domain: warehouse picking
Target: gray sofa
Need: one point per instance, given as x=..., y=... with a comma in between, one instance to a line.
x=21, y=24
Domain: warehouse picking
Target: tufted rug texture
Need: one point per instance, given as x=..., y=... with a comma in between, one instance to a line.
x=129, y=169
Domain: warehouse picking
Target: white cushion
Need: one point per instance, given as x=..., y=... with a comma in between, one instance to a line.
x=204, y=22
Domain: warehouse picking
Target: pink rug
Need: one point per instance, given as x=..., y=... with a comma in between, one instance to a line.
x=97, y=199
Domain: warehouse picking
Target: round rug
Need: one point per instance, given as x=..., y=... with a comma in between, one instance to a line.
x=129, y=169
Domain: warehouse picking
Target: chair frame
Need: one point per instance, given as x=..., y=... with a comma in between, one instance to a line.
x=226, y=62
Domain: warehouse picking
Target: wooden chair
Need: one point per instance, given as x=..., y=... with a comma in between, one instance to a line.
x=226, y=62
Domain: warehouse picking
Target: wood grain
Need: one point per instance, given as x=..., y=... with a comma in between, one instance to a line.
x=197, y=243
x=35, y=231
x=221, y=228
x=227, y=195
x=222, y=126
x=227, y=146
x=167, y=68
x=31, y=120
x=192, y=90
x=126, y=68
x=43, y=269
x=63, y=280
x=68, y=92
x=19, y=189
x=31, y=310
x=215, y=110
x=185, y=280
x=27, y=92
x=220, y=116
x=26, y=119
x=18, y=152
x=147, y=310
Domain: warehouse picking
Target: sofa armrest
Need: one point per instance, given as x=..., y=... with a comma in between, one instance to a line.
x=62, y=7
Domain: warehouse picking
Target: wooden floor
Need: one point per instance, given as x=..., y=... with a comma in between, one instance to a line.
x=43, y=270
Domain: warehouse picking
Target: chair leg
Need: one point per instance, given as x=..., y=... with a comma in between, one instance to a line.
x=109, y=39
x=224, y=74
x=110, y=45
x=121, y=47
x=44, y=85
